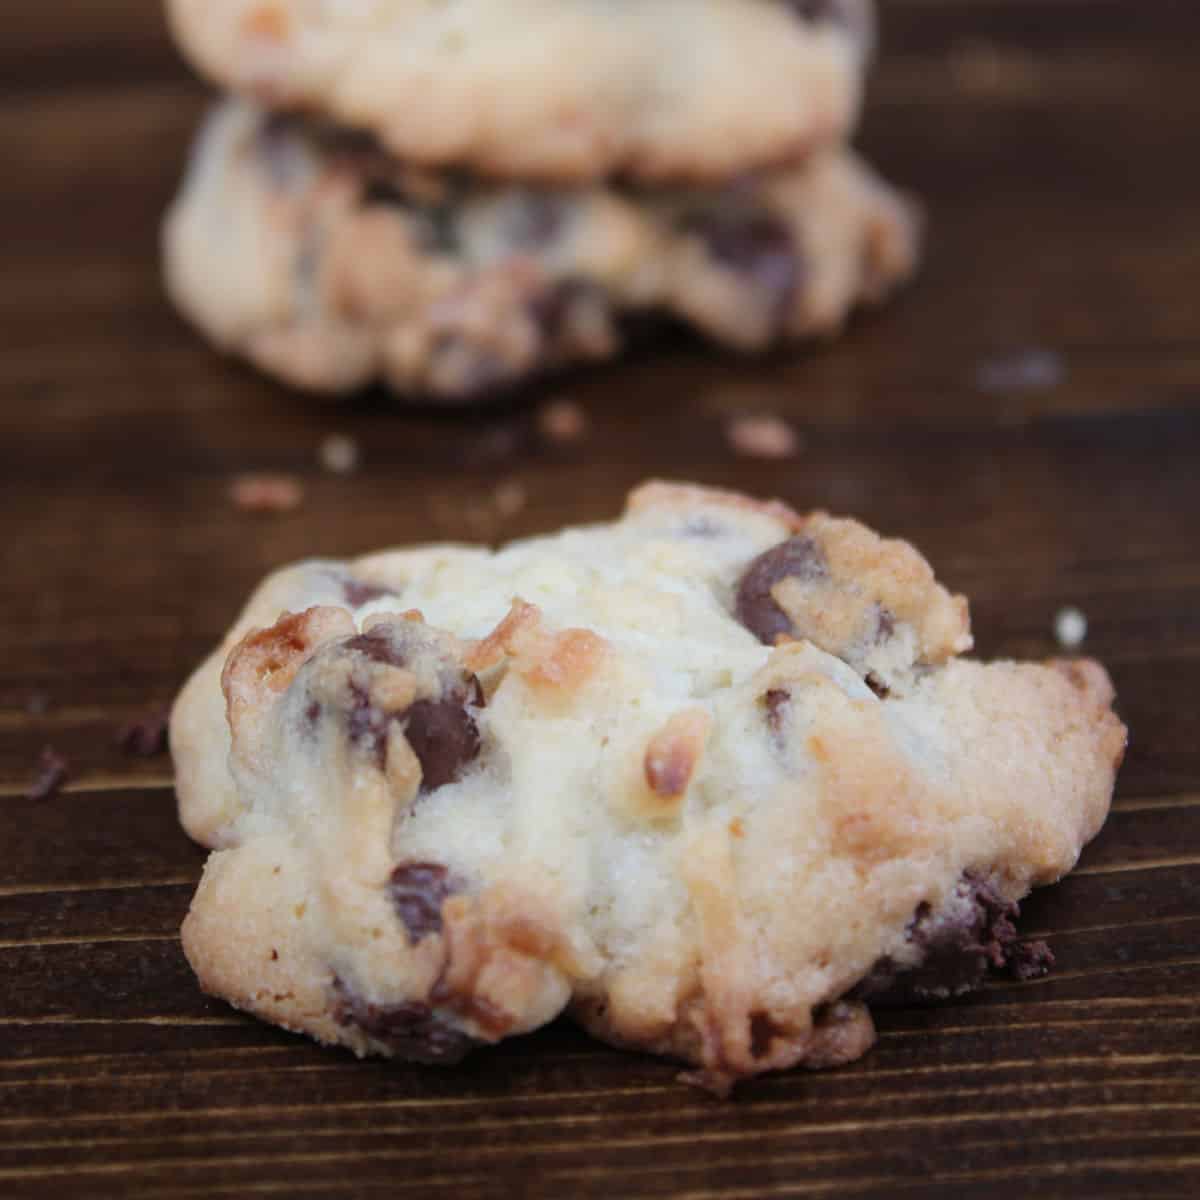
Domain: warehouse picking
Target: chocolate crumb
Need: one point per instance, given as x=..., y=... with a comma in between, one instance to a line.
x=53, y=771
x=146, y=737
x=266, y=493
x=1030, y=960
x=762, y=437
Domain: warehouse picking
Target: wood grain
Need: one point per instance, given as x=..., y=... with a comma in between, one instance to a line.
x=1053, y=144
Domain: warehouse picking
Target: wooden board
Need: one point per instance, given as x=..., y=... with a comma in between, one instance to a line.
x=1054, y=142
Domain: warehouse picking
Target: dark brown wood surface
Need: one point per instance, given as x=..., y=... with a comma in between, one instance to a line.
x=1055, y=144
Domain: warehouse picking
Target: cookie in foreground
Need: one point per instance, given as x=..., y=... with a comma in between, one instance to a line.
x=680, y=90
x=329, y=264
x=713, y=778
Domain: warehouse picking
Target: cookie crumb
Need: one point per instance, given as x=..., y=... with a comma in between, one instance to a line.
x=1030, y=960
x=1029, y=370
x=762, y=437
x=266, y=493
x=510, y=497
x=53, y=771
x=562, y=422
x=338, y=454
x=146, y=737
x=1070, y=628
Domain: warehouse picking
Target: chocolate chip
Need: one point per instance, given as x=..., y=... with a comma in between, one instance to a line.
x=756, y=247
x=147, y=736
x=378, y=646
x=442, y=733
x=763, y=1032
x=417, y=890
x=956, y=946
x=357, y=592
x=367, y=724
x=777, y=702
x=53, y=771
x=410, y=1031
x=885, y=624
x=797, y=558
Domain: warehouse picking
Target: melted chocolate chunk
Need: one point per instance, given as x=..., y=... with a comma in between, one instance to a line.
x=417, y=890
x=957, y=945
x=442, y=732
x=411, y=1031
x=757, y=247
x=798, y=558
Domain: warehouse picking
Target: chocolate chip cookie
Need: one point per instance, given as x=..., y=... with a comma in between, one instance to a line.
x=714, y=778
x=552, y=89
x=330, y=264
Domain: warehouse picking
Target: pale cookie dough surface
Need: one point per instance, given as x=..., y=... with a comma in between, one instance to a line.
x=710, y=777
x=552, y=89
x=308, y=251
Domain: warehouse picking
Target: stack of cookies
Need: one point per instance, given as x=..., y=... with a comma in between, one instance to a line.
x=453, y=196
